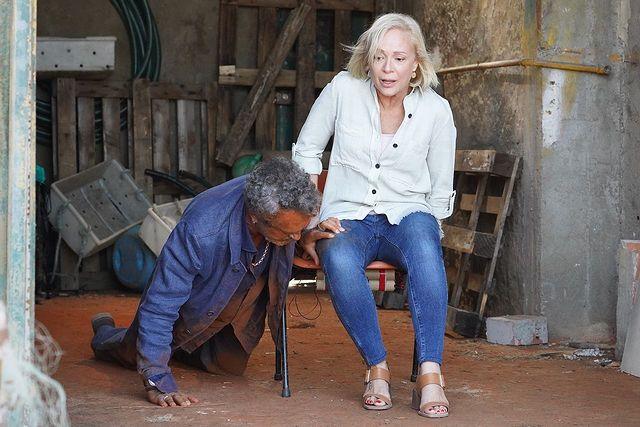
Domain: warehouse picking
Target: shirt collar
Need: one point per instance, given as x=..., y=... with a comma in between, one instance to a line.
x=247, y=241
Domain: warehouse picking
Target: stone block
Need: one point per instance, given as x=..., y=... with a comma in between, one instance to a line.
x=517, y=330
x=628, y=287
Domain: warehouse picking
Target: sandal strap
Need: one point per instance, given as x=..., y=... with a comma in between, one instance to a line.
x=429, y=378
x=377, y=373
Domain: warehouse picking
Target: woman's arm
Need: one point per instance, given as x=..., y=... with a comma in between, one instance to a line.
x=315, y=133
x=440, y=163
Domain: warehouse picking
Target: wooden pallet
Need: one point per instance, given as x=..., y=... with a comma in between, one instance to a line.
x=484, y=181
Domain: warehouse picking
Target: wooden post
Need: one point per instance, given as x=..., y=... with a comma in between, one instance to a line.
x=87, y=157
x=142, y=148
x=342, y=36
x=305, y=72
x=67, y=166
x=264, y=83
x=211, y=95
x=266, y=120
x=226, y=56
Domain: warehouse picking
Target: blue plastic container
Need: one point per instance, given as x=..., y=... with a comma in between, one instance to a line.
x=133, y=262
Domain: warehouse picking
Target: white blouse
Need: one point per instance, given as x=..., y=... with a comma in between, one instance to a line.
x=413, y=173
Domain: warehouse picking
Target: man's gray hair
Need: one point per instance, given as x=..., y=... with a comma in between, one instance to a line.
x=277, y=184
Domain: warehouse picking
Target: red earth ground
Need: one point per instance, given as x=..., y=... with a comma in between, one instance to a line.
x=487, y=384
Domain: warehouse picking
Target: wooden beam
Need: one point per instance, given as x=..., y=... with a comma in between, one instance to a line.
x=305, y=69
x=360, y=5
x=211, y=91
x=226, y=56
x=66, y=152
x=341, y=36
x=266, y=120
x=491, y=204
x=142, y=148
x=285, y=78
x=103, y=89
x=264, y=83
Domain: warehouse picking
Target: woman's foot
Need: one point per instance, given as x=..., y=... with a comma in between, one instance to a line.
x=433, y=393
x=376, y=393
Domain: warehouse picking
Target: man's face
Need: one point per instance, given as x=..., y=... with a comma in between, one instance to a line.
x=283, y=228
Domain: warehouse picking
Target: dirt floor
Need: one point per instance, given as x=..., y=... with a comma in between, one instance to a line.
x=487, y=384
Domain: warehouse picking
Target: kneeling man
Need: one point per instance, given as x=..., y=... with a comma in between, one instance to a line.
x=225, y=266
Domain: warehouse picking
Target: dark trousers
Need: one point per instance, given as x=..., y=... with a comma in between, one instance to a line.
x=222, y=353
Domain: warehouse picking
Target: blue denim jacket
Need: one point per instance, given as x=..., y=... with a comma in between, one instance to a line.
x=196, y=274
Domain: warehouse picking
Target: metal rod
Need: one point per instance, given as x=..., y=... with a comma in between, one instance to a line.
x=414, y=363
x=286, y=392
x=594, y=69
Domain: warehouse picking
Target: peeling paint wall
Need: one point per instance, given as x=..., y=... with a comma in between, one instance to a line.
x=579, y=137
x=188, y=33
x=495, y=109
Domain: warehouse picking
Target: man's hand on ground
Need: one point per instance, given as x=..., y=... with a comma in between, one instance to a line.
x=170, y=399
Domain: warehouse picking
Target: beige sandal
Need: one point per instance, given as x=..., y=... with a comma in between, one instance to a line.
x=421, y=382
x=376, y=373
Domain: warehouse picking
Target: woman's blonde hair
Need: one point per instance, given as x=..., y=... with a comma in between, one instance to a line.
x=363, y=52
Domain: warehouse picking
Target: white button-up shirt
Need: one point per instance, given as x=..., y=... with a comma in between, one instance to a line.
x=414, y=173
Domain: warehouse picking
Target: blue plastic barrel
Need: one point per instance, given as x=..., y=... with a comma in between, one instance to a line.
x=133, y=262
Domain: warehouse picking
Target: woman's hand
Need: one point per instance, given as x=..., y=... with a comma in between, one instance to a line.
x=331, y=224
x=327, y=229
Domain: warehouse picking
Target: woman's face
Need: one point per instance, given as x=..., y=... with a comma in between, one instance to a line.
x=393, y=64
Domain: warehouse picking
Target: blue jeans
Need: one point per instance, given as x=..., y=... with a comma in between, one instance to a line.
x=412, y=246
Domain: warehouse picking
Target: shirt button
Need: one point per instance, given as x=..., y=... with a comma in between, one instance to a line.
x=187, y=331
x=210, y=313
x=410, y=115
x=235, y=269
x=395, y=145
x=373, y=191
x=377, y=165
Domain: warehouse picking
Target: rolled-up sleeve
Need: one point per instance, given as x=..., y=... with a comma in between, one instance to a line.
x=440, y=163
x=315, y=133
x=176, y=268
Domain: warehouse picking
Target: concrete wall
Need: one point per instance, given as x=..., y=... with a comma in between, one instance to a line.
x=578, y=135
x=188, y=33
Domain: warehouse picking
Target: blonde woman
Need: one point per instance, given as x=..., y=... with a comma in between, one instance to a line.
x=390, y=182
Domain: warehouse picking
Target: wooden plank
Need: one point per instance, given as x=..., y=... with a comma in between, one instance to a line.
x=473, y=223
x=383, y=6
x=498, y=237
x=204, y=146
x=490, y=204
x=142, y=147
x=161, y=110
x=103, y=89
x=211, y=107
x=114, y=147
x=87, y=158
x=130, y=133
x=264, y=83
x=266, y=119
x=457, y=238
x=474, y=160
x=305, y=69
x=189, y=148
x=360, y=5
x=86, y=133
x=284, y=79
x=66, y=159
x=226, y=56
x=165, y=90
x=341, y=37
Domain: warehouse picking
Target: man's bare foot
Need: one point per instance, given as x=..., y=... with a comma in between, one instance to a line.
x=170, y=399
